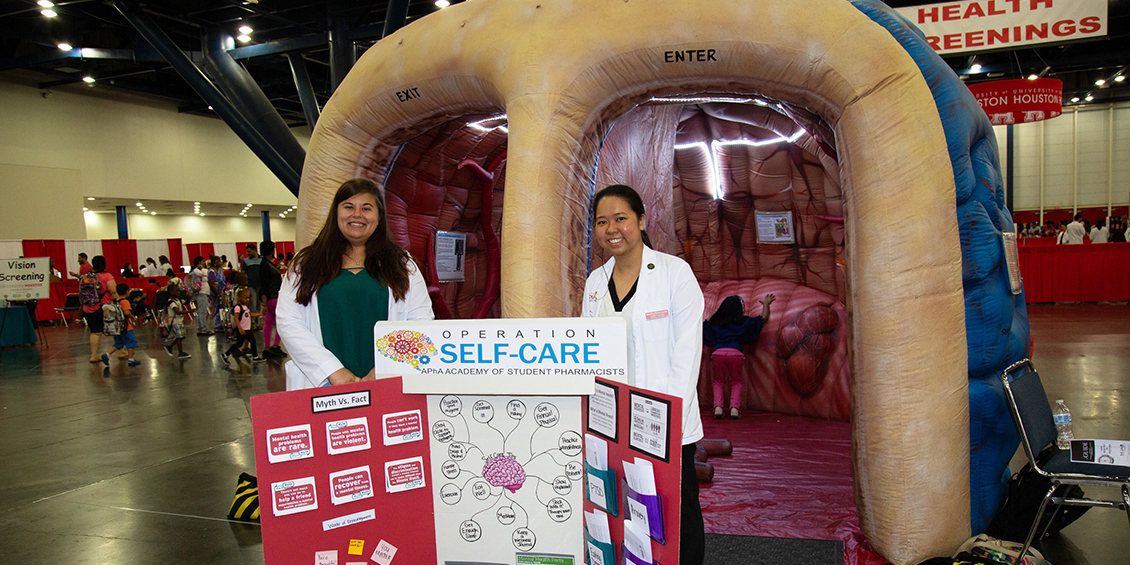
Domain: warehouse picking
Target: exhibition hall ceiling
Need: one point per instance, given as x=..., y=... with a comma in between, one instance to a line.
x=186, y=207
x=109, y=50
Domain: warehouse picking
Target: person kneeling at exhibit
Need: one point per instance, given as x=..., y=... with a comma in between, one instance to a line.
x=351, y=277
x=659, y=298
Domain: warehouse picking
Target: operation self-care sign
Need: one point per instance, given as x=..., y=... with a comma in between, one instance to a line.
x=499, y=356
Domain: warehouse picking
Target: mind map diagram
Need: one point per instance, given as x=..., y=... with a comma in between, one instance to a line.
x=507, y=475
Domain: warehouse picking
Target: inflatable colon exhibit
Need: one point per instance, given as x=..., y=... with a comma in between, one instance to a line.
x=846, y=121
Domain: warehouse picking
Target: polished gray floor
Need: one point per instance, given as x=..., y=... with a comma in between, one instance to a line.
x=138, y=465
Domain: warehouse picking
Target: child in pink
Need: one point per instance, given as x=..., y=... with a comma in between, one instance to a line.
x=726, y=330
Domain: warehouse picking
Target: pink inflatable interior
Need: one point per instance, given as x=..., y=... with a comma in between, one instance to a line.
x=704, y=168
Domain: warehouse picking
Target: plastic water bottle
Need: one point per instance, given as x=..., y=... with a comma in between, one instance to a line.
x=1062, y=417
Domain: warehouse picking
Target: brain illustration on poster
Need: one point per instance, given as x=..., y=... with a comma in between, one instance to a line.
x=508, y=481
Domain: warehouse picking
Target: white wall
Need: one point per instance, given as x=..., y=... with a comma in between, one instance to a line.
x=1083, y=167
x=191, y=229
x=79, y=142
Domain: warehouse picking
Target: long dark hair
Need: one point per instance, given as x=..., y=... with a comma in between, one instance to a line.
x=629, y=194
x=730, y=312
x=320, y=262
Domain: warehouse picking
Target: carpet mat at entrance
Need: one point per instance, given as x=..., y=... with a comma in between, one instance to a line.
x=757, y=550
x=789, y=478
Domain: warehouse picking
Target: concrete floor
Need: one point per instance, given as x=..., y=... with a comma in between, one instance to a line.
x=138, y=465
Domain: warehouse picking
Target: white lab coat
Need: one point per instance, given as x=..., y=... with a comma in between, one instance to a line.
x=666, y=329
x=301, y=330
x=1075, y=232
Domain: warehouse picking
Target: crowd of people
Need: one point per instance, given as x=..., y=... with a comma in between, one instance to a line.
x=1079, y=230
x=221, y=299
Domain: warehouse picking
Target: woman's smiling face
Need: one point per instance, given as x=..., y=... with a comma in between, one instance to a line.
x=357, y=218
x=616, y=226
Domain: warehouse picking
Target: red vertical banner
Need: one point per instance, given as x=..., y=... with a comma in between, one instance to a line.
x=331, y=482
x=34, y=248
x=175, y=257
x=57, y=250
x=118, y=252
x=194, y=251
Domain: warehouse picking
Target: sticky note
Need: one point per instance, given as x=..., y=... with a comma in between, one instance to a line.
x=325, y=557
x=384, y=553
x=356, y=546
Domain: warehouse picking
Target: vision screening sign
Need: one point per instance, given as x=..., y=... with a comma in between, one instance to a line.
x=24, y=279
x=982, y=25
x=501, y=356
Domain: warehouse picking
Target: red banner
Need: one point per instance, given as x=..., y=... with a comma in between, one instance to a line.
x=1019, y=100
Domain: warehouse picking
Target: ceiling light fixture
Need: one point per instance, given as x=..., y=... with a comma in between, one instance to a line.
x=85, y=209
x=153, y=213
x=245, y=30
x=90, y=198
x=1089, y=98
x=1100, y=82
x=49, y=13
x=46, y=3
x=442, y=3
x=243, y=38
x=65, y=47
x=1033, y=77
x=1075, y=100
x=88, y=79
x=976, y=68
x=1119, y=78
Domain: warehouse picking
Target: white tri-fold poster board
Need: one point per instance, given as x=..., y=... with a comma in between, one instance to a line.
x=370, y=473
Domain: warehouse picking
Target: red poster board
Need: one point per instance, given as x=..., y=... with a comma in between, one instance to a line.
x=313, y=480
x=627, y=444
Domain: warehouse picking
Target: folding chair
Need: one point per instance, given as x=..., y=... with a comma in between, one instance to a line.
x=1032, y=415
x=70, y=305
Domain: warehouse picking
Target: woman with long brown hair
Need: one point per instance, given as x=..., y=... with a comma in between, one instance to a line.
x=352, y=276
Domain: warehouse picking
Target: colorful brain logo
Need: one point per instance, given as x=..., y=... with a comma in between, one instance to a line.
x=407, y=346
x=502, y=471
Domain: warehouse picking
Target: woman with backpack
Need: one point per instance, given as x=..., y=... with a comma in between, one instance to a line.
x=95, y=288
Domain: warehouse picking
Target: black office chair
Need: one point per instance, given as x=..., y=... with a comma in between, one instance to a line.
x=1032, y=415
x=160, y=303
x=72, y=304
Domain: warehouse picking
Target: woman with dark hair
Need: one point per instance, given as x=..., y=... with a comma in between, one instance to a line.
x=659, y=298
x=1099, y=232
x=348, y=279
x=726, y=331
x=94, y=291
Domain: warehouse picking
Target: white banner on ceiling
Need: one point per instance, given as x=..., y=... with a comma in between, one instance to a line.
x=984, y=25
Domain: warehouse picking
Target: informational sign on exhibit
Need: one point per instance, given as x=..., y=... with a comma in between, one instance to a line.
x=775, y=227
x=451, y=248
x=502, y=356
x=25, y=279
x=1012, y=260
